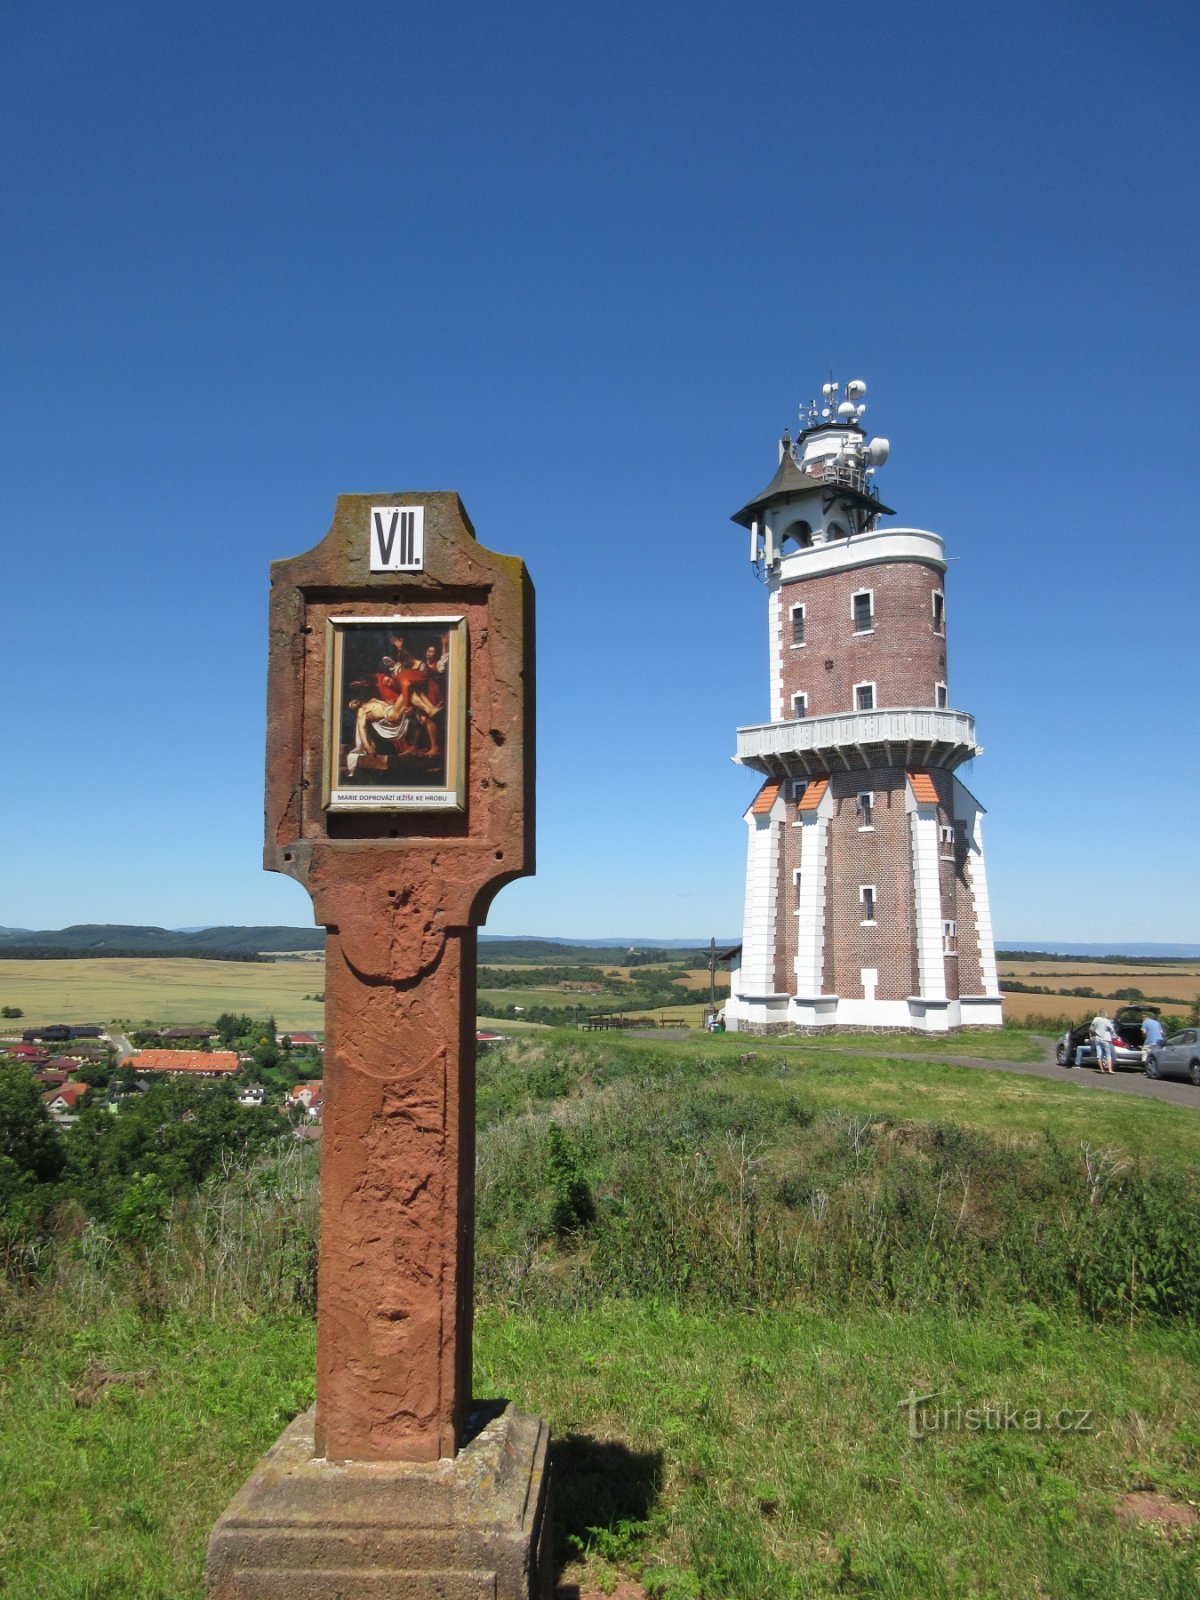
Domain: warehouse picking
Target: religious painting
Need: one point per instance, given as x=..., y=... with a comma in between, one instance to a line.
x=395, y=725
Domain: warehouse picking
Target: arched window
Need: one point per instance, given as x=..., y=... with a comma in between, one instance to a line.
x=798, y=536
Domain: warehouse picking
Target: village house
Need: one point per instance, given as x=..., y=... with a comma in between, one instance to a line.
x=190, y=1063
x=307, y=1095
x=65, y=1100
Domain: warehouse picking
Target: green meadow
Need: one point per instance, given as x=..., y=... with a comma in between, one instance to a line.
x=727, y=1274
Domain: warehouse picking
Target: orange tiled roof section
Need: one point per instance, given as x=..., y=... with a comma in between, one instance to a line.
x=766, y=797
x=923, y=790
x=183, y=1061
x=814, y=793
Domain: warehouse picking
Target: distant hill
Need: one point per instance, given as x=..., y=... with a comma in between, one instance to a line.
x=613, y=942
x=496, y=948
x=1100, y=952
x=134, y=939
x=249, y=944
x=233, y=943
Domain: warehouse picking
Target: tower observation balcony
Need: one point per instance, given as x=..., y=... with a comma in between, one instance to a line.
x=843, y=473
x=905, y=737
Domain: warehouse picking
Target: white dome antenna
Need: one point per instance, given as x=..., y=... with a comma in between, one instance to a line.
x=856, y=389
x=878, y=451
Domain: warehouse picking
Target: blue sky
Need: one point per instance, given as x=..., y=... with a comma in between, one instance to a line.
x=581, y=265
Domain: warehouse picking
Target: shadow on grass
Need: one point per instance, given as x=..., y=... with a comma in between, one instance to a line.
x=603, y=1494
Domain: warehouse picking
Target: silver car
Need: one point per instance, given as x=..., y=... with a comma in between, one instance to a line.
x=1176, y=1057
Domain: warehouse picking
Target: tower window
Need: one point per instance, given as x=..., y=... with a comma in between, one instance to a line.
x=799, y=706
x=866, y=895
x=949, y=938
x=946, y=836
x=940, y=697
x=862, y=607
x=797, y=625
x=866, y=811
x=864, y=697
x=939, y=611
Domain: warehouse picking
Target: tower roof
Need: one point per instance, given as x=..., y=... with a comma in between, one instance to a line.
x=790, y=480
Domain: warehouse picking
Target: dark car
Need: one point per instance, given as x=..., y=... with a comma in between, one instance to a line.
x=1176, y=1057
x=1127, y=1046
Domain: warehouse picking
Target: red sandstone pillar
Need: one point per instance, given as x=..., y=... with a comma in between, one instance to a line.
x=401, y=892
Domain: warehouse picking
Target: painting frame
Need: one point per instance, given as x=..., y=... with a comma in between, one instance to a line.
x=395, y=737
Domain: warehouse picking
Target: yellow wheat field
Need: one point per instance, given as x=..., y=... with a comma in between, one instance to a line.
x=167, y=991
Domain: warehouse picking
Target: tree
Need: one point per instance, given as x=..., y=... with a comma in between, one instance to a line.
x=141, y=1209
x=28, y=1138
x=96, y=1074
x=230, y=1027
x=11, y=1011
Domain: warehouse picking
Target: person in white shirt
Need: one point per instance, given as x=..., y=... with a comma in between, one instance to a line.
x=1103, y=1034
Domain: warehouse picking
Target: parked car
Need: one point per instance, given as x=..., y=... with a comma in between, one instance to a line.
x=1127, y=1047
x=1176, y=1057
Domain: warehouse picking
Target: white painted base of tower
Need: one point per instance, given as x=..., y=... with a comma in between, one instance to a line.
x=783, y=1013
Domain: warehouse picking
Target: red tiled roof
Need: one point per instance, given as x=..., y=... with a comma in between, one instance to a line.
x=70, y=1092
x=923, y=790
x=183, y=1061
x=766, y=797
x=814, y=793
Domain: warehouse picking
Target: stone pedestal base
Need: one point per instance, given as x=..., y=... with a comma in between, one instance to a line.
x=474, y=1527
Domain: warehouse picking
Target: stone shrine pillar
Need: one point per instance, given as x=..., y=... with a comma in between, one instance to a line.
x=400, y=792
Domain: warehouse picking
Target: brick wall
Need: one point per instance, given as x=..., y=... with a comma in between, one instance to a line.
x=904, y=656
x=881, y=856
x=788, y=923
x=963, y=972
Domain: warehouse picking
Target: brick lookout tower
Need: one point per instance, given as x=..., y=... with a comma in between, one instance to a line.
x=866, y=899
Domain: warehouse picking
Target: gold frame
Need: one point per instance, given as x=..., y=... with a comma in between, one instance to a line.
x=420, y=739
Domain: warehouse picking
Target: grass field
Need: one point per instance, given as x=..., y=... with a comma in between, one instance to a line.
x=708, y=1448
x=919, y=1088
x=163, y=992
x=769, y=1457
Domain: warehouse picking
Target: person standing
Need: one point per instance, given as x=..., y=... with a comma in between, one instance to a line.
x=1103, y=1033
x=1152, y=1033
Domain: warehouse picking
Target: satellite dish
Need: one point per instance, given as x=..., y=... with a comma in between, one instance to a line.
x=846, y=410
x=878, y=451
x=860, y=410
x=856, y=389
x=829, y=390
x=825, y=411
